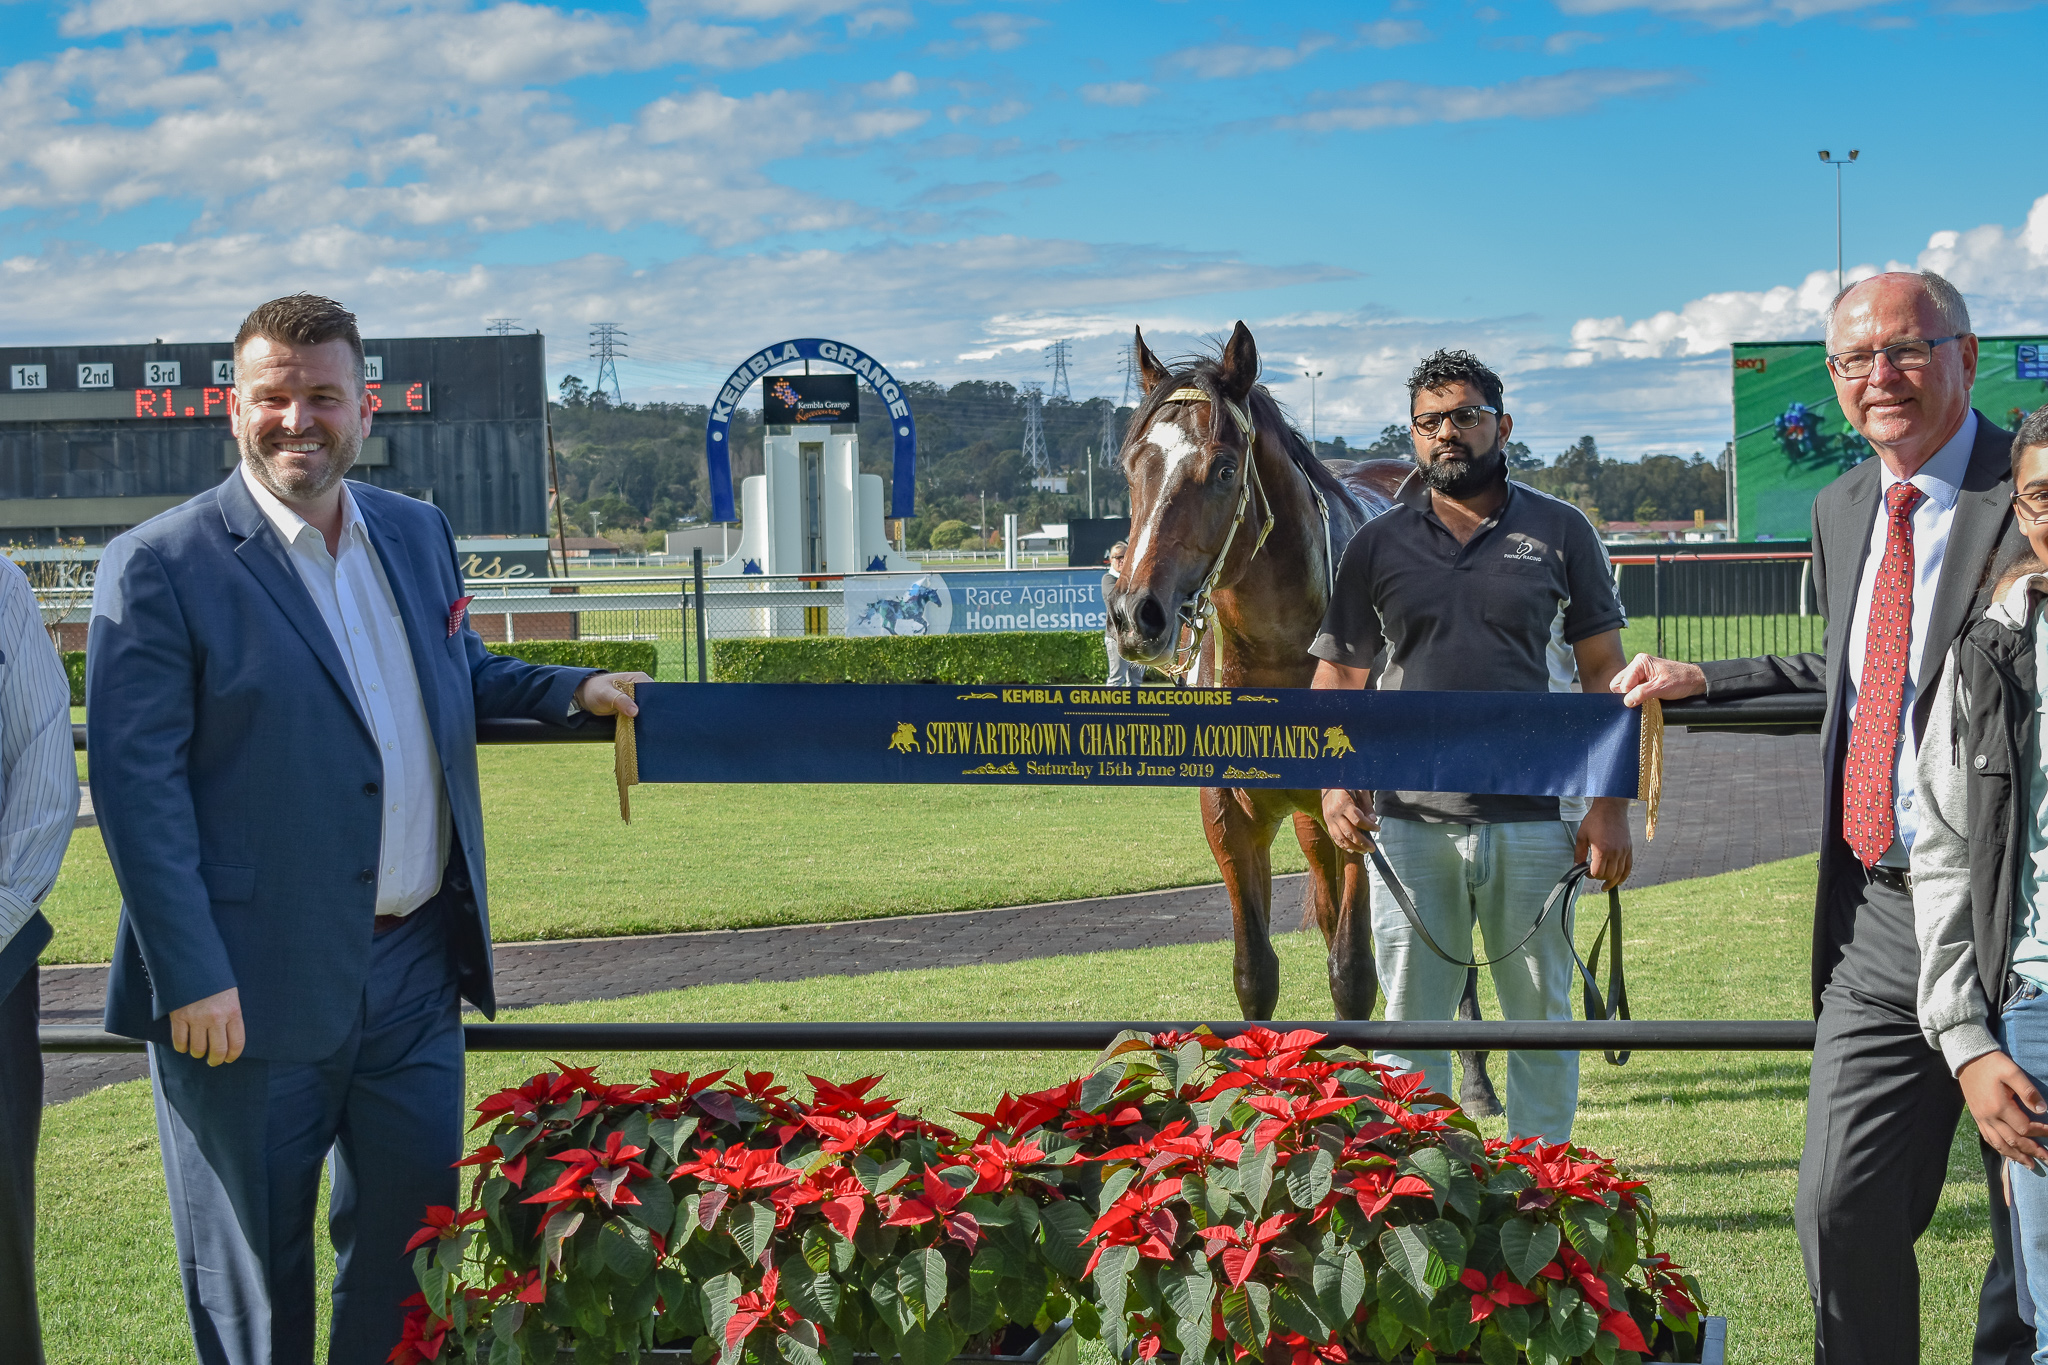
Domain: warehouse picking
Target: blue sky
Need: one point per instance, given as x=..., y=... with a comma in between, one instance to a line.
x=1595, y=195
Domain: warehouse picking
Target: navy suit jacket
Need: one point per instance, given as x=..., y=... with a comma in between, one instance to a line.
x=236, y=779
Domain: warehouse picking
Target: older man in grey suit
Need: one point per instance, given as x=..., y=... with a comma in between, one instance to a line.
x=283, y=694
x=1900, y=548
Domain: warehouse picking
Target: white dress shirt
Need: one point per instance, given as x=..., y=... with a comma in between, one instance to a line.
x=361, y=612
x=1941, y=480
x=38, y=773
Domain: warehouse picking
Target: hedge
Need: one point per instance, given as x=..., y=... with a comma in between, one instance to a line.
x=1019, y=657
x=613, y=656
x=74, y=664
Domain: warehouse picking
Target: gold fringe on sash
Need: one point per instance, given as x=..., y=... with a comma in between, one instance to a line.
x=625, y=758
x=1650, y=764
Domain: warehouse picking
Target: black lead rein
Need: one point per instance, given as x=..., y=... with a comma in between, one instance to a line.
x=1613, y=1006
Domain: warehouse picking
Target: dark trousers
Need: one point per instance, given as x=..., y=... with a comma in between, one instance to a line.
x=21, y=1123
x=243, y=1146
x=1880, y=1117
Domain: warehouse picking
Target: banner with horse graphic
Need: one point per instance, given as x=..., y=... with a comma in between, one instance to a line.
x=1538, y=744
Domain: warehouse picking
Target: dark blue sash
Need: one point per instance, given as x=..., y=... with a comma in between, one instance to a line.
x=1518, y=743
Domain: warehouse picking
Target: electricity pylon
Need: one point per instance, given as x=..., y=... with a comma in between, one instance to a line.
x=1112, y=445
x=503, y=327
x=1056, y=361
x=607, y=344
x=1034, y=431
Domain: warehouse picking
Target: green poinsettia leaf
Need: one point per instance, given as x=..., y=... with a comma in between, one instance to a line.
x=1528, y=1247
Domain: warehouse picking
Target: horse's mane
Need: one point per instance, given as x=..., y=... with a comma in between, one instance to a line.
x=1206, y=372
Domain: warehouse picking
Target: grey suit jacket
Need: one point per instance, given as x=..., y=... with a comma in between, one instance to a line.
x=1843, y=515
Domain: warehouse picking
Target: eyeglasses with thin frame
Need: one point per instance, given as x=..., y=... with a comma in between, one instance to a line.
x=1911, y=354
x=2031, y=507
x=1464, y=419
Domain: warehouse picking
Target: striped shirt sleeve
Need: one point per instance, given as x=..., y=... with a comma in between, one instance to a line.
x=38, y=770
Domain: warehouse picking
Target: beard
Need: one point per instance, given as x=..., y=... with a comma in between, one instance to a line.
x=1462, y=475
x=298, y=482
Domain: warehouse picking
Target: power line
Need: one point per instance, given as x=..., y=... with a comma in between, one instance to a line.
x=607, y=344
x=1034, y=431
x=1056, y=361
x=502, y=327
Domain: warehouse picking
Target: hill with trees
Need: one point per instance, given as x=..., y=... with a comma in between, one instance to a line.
x=638, y=468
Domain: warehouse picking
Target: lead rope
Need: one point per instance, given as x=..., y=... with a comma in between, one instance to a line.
x=1198, y=612
x=1650, y=764
x=625, y=759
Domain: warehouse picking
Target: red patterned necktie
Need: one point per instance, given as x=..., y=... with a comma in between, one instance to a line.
x=1868, y=820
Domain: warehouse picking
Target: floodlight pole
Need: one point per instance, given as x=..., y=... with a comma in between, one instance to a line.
x=1312, y=376
x=1838, y=163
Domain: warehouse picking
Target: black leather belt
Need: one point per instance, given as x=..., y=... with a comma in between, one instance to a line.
x=1897, y=878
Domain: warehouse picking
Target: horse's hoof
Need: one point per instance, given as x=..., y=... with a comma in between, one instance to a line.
x=1475, y=1091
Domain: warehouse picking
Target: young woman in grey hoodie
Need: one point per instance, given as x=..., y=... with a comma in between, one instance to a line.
x=1980, y=868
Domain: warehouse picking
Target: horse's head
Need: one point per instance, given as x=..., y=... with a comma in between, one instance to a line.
x=1186, y=456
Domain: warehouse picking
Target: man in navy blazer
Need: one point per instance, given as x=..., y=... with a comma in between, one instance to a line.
x=282, y=697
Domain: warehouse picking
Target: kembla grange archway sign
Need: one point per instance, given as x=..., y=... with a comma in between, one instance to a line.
x=717, y=445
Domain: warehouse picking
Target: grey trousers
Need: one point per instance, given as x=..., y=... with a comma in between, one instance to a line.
x=243, y=1146
x=21, y=1122
x=1880, y=1116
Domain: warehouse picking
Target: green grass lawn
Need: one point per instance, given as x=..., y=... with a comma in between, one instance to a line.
x=702, y=857
x=1695, y=638
x=1717, y=1135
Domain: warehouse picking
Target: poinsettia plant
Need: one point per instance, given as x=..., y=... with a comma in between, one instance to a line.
x=1266, y=1198
x=1276, y=1200
x=726, y=1215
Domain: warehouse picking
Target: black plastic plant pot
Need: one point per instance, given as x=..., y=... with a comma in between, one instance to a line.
x=1713, y=1349
x=1019, y=1345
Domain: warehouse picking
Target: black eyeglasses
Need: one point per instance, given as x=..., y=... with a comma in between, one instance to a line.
x=1464, y=419
x=1904, y=355
x=2032, y=507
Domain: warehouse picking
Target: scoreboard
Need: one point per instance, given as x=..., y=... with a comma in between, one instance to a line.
x=94, y=439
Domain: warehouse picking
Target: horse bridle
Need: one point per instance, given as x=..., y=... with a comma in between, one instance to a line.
x=1199, y=611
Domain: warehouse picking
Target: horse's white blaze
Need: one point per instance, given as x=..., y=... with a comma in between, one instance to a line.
x=1175, y=450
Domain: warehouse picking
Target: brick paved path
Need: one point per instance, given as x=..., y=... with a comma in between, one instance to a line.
x=1730, y=801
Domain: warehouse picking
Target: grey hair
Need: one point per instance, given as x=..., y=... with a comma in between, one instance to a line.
x=1946, y=298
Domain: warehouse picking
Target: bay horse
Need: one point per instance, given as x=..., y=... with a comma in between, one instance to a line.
x=1237, y=526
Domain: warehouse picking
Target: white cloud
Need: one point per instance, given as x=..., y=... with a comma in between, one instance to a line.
x=992, y=32
x=1727, y=13
x=1118, y=94
x=1393, y=104
x=1562, y=44
x=1223, y=61
x=1386, y=33
x=426, y=119
x=2003, y=275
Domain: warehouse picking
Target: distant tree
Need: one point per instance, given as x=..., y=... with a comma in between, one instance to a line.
x=574, y=394
x=1649, y=511
x=947, y=535
x=1393, y=443
x=1521, y=457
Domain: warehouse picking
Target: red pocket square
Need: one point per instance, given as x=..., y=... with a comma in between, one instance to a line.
x=457, y=614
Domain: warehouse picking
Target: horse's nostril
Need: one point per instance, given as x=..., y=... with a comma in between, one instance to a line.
x=1151, y=617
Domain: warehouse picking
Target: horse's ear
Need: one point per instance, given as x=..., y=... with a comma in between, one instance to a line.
x=1240, y=367
x=1150, y=371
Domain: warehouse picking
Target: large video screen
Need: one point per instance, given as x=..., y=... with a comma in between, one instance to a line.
x=1791, y=440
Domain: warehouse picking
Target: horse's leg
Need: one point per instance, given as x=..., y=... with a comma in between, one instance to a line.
x=1343, y=912
x=1240, y=825
x=1475, y=1091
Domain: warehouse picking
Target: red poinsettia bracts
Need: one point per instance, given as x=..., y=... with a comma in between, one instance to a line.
x=739, y=1169
x=1140, y=1218
x=996, y=1163
x=600, y=1175
x=443, y=1224
x=941, y=1201
x=1502, y=1293
x=422, y=1336
x=1240, y=1246
x=1380, y=1185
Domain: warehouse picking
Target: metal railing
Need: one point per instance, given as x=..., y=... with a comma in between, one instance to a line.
x=1723, y=606
x=1789, y=712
